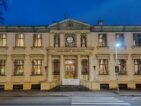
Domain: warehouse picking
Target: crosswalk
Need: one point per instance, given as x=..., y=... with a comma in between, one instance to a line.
x=94, y=101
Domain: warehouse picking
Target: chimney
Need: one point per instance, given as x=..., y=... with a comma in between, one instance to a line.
x=100, y=22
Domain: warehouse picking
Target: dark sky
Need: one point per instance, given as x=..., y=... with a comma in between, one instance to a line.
x=43, y=12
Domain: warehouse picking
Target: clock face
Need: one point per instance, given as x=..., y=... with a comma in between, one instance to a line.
x=70, y=41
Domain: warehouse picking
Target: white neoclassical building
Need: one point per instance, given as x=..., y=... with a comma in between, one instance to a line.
x=69, y=52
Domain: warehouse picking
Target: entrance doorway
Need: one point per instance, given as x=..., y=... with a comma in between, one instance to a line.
x=70, y=69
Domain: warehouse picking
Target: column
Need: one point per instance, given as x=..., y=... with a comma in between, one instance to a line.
x=51, y=40
x=130, y=72
x=49, y=68
x=78, y=41
x=62, y=40
x=61, y=67
x=79, y=66
x=90, y=68
x=113, y=84
x=28, y=67
x=9, y=68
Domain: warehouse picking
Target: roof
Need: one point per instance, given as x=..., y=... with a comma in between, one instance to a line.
x=70, y=24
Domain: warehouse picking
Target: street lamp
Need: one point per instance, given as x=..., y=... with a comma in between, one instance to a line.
x=116, y=65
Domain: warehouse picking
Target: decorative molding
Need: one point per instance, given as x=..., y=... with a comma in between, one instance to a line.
x=19, y=48
x=102, y=47
x=4, y=56
x=18, y=56
x=103, y=56
x=36, y=56
x=136, y=56
x=121, y=56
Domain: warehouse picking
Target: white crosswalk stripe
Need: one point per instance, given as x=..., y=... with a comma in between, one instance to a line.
x=98, y=101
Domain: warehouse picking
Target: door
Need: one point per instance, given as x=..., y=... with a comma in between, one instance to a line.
x=70, y=69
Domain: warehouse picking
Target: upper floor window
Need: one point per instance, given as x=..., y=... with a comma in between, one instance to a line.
x=19, y=40
x=102, y=40
x=56, y=40
x=83, y=40
x=18, y=67
x=37, y=40
x=36, y=67
x=70, y=40
x=2, y=67
x=3, y=40
x=122, y=66
x=137, y=66
x=103, y=66
x=120, y=39
x=137, y=39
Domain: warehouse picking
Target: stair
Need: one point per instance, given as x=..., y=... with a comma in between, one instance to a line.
x=70, y=88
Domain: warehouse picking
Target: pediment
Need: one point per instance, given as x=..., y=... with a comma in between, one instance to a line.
x=69, y=23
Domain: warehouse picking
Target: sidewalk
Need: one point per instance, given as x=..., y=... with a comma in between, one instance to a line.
x=74, y=93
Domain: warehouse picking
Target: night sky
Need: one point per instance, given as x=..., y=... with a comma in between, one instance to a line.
x=43, y=12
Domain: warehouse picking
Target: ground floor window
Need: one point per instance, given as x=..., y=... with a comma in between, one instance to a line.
x=56, y=64
x=2, y=67
x=85, y=67
x=18, y=67
x=137, y=66
x=103, y=66
x=122, y=66
x=36, y=67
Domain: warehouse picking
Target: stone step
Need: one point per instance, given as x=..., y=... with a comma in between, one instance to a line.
x=70, y=88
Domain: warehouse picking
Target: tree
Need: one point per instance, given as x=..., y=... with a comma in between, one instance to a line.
x=3, y=7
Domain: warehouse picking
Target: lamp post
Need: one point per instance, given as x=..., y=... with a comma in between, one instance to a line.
x=116, y=65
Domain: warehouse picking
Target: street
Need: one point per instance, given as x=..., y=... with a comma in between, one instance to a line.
x=71, y=101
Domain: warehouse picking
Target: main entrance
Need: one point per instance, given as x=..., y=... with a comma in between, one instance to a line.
x=70, y=69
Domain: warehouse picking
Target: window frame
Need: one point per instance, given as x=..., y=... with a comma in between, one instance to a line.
x=19, y=38
x=137, y=36
x=36, y=40
x=2, y=39
x=103, y=40
x=138, y=72
x=56, y=40
x=105, y=66
x=121, y=72
x=2, y=65
x=83, y=37
x=56, y=69
x=37, y=65
x=121, y=39
x=85, y=64
x=18, y=65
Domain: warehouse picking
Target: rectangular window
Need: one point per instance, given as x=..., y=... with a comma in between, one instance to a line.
x=36, y=67
x=103, y=67
x=56, y=67
x=19, y=40
x=85, y=66
x=56, y=40
x=18, y=67
x=2, y=67
x=137, y=66
x=122, y=66
x=120, y=39
x=137, y=39
x=83, y=40
x=37, y=40
x=3, y=40
x=102, y=40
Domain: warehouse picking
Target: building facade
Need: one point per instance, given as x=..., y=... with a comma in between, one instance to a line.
x=69, y=49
